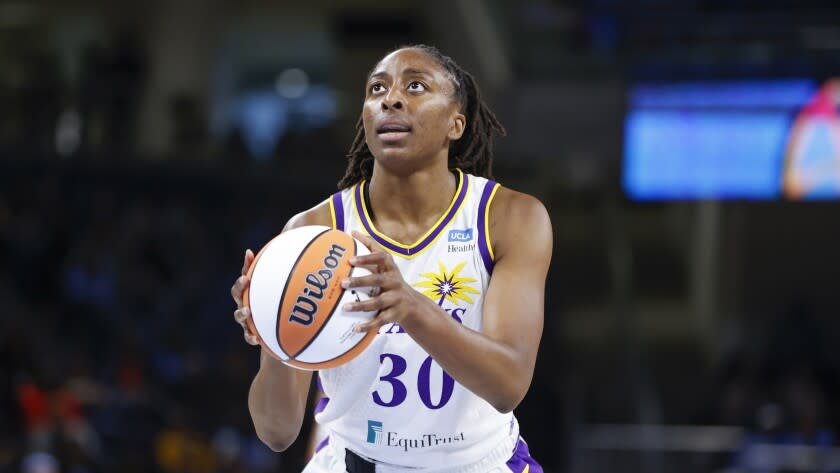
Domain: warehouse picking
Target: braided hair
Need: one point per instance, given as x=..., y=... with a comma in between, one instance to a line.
x=473, y=152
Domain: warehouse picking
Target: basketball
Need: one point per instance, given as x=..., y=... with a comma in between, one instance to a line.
x=296, y=298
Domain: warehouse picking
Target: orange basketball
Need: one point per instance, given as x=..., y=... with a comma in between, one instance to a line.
x=297, y=301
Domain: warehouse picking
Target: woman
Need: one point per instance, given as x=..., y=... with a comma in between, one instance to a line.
x=460, y=309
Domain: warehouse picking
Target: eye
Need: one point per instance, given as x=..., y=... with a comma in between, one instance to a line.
x=416, y=86
x=376, y=88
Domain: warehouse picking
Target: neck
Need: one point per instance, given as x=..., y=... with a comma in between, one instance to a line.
x=422, y=195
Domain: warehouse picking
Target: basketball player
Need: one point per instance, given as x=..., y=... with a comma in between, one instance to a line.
x=460, y=263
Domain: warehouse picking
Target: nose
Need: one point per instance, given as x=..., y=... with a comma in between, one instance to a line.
x=392, y=100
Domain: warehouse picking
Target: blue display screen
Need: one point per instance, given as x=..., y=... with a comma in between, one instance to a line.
x=745, y=139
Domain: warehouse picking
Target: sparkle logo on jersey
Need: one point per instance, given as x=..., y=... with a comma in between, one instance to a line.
x=441, y=287
x=374, y=434
x=447, y=285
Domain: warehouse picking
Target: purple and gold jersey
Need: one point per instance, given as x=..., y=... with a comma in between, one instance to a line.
x=415, y=415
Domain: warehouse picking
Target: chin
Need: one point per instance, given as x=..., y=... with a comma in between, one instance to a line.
x=399, y=161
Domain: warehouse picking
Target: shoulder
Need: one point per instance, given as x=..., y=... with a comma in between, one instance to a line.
x=318, y=215
x=515, y=216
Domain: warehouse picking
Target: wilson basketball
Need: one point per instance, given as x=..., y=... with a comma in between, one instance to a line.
x=296, y=298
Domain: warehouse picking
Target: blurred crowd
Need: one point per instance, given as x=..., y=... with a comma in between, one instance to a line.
x=118, y=351
x=785, y=394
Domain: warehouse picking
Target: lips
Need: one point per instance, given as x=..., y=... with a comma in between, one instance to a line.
x=393, y=132
x=393, y=126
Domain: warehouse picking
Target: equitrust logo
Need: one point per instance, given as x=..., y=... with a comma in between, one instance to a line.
x=377, y=436
x=374, y=434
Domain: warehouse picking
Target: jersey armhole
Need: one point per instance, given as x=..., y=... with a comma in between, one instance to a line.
x=337, y=211
x=485, y=245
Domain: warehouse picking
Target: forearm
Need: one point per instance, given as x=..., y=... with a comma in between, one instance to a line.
x=489, y=368
x=277, y=401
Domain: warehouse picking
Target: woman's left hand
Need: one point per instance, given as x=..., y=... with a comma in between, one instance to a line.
x=396, y=301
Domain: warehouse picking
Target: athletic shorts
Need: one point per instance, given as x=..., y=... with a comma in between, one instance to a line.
x=330, y=458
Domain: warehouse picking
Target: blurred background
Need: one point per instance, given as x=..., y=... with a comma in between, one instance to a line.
x=687, y=150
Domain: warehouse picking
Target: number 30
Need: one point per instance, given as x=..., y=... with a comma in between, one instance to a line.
x=398, y=367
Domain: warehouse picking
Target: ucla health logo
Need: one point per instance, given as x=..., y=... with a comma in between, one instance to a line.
x=374, y=432
x=460, y=241
x=461, y=236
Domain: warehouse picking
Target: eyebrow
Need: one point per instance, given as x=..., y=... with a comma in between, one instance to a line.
x=407, y=71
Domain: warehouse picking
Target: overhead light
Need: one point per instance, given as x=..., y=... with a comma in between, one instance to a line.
x=292, y=83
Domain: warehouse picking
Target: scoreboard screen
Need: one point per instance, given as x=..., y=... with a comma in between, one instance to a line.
x=766, y=139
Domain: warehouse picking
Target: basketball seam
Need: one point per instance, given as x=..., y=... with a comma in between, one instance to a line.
x=316, y=364
x=283, y=294
x=332, y=311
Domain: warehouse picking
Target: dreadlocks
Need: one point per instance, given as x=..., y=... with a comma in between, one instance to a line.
x=473, y=152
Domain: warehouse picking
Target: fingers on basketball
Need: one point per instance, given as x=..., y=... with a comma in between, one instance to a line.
x=243, y=318
x=251, y=339
x=368, y=242
x=381, y=319
x=238, y=289
x=249, y=258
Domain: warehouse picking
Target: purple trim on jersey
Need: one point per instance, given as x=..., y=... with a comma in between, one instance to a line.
x=322, y=404
x=338, y=208
x=482, y=237
x=522, y=458
x=322, y=444
x=430, y=238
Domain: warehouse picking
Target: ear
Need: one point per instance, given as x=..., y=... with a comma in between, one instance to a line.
x=457, y=125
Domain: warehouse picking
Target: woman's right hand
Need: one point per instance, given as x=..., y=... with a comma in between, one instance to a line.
x=242, y=314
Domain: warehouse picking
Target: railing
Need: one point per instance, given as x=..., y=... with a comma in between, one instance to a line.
x=664, y=449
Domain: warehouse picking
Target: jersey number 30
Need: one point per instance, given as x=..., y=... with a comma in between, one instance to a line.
x=398, y=367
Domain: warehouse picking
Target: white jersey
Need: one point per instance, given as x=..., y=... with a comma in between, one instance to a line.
x=415, y=415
